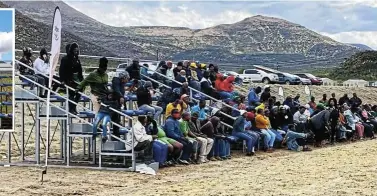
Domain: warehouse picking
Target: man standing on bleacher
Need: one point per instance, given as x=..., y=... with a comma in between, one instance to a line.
x=70, y=73
x=98, y=81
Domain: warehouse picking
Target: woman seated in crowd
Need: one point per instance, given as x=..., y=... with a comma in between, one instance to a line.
x=353, y=121
x=262, y=123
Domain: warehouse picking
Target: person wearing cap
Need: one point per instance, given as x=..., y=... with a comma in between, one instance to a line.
x=118, y=84
x=239, y=131
x=98, y=81
x=200, y=108
x=173, y=130
x=71, y=74
x=253, y=96
x=250, y=119
x=192, y=77
x=144, y=100
x=134, y=70
x=262, y=122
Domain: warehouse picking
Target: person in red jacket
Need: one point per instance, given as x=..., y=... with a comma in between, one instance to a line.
x=228, y=85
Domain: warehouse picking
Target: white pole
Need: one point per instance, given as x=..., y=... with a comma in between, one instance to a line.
x=55, y=52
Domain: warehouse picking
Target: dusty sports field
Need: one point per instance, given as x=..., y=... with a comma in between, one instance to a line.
x=340, y=170
x=346, y=169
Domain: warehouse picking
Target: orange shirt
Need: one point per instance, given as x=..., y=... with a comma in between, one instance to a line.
x=261, y=122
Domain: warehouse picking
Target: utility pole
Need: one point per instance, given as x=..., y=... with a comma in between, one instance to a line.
x=157, y=54
x=277, y=66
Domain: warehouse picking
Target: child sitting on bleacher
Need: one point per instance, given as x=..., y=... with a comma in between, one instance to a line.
x=105, y=114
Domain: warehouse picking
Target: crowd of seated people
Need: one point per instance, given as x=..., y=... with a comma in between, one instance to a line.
x=190, y=132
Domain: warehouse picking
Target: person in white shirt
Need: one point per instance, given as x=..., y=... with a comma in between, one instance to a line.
x=42, y=69
x=142, y=139
x=300, y=119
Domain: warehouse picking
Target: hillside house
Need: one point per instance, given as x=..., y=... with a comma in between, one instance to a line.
x=355, y=83
x=329, y=82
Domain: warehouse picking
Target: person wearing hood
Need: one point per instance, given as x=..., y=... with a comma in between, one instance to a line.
x=134, y=70
x=319, y=123
x=344, y=100
x=172, y=129
x=285, y=117
x=253, y=96
x=289, y=102
x=203, y=134
x=266, y=94
x=98, y=81
x=181, y=77
x=70, y=73
x=144, y=100
x=239, y=131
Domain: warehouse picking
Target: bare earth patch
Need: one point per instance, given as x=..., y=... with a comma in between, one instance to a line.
x=340, y=170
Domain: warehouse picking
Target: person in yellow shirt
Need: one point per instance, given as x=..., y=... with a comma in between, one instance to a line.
x=263, y=123
x=177, y=104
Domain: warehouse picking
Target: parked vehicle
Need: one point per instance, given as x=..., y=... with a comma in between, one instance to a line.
x=238, y=80
x=286, y=78
x=304, y=81
x=314, y=80
x=256, y=75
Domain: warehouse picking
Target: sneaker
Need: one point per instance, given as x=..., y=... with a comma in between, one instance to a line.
x=183, y=162
x=213, y=159
x=218, y=158
x=104, y=139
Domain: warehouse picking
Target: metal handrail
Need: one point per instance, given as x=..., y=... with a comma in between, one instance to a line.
x=225, y=124
x=173, y=80
x=57, y=81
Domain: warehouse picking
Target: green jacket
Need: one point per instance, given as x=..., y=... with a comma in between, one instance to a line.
x=97, y=82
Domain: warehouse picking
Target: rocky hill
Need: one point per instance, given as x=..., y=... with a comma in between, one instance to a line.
x=37, y=35
x=362, y=65
x=254, y=40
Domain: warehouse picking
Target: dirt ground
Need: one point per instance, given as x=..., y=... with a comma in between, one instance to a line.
x=340, y=170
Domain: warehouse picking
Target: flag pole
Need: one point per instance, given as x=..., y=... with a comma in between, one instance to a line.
x=55, y=51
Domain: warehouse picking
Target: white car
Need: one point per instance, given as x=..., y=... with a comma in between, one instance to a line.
x=256, y=75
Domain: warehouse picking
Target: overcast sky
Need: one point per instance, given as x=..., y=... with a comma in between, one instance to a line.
x=346, y=21
x=6, y=35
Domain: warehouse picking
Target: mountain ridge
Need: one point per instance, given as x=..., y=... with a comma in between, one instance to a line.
x=254, y=40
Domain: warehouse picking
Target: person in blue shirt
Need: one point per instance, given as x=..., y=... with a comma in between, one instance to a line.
x=239, y=131
x=253, y=97
x=173, y=131
x=201, y=110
